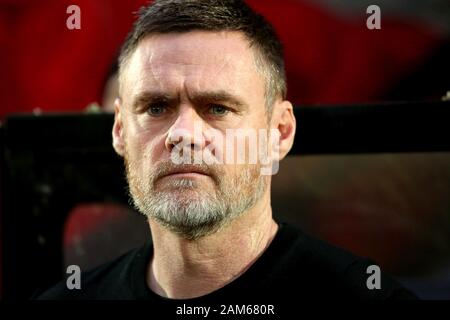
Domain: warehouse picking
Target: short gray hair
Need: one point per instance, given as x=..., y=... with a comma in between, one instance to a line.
x=179, y=16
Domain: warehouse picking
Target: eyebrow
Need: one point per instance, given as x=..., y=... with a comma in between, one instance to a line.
x=145, y=98
x=149, y=97
x=219, y=96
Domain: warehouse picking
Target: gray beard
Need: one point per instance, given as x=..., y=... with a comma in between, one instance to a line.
x=191, y=212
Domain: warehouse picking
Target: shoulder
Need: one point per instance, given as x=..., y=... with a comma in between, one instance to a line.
x=112, y=280
x=327, y=270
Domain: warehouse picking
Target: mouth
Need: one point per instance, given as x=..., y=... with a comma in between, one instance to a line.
x=186, y=172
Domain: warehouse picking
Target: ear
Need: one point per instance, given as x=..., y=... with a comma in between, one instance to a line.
x=117, y=132
x=283, y=119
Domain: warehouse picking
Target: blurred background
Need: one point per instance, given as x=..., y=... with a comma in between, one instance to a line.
x=394, y=208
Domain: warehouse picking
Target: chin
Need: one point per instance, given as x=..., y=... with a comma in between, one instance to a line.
x=187, y=194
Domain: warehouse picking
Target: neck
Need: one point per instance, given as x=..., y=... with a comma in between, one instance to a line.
x=183, y=269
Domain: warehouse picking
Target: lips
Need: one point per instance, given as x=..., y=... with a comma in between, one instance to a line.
x=186, y=169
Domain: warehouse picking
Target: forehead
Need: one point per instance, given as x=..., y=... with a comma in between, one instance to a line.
x=198, y=60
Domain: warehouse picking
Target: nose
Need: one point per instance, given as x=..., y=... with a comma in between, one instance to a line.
x=187, y=129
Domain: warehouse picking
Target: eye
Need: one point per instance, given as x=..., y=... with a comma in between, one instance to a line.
x=218, y=110
x=156, y=110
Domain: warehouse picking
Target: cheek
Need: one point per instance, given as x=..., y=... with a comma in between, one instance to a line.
x=232, y=173
x=144, y=149
x=138, y=135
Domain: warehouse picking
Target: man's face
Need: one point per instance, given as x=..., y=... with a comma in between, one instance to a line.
x=174, y=87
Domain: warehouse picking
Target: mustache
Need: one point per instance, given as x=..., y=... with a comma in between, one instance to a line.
x=167, y=167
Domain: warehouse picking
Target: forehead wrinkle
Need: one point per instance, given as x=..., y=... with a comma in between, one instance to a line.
x=178, y=51
x=161, y=69
x=184, y=82
x=150, y=63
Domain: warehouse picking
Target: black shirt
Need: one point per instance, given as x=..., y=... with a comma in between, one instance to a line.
x=295, y=267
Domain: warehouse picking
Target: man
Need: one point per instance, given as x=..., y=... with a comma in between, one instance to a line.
x=190, y=73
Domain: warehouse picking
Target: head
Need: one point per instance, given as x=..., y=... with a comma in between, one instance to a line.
x=190, y=72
